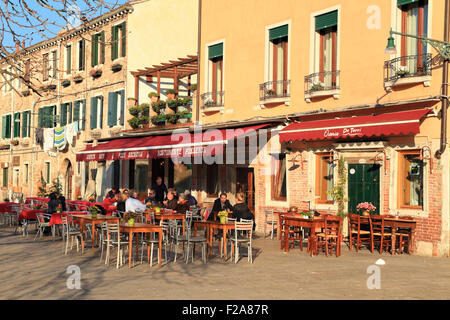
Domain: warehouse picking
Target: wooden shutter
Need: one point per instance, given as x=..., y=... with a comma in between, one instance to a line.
x=40, y=117
x=94, y=112
x=69, y=112
x=25, y=123
x=82, y=55
x=83, y=114
x=69, y=59
x=112, y=109
x=100, y=107
x=76, y=111
x=114, y=42
x=3, y=127
x=8, y=126
x=124, y=39
x=122, y=107
x=16, y=125
x=63, y=114
x=102, y=43
x=94, y=51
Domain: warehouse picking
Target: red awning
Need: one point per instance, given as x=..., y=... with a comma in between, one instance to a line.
x=177, y=145
x=386, y=124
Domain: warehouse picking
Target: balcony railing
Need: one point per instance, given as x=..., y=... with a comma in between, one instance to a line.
x=274, y=89
x=407, y=67
x=322, y=81
x=213, y=99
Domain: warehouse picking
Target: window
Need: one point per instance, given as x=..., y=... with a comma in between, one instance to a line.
x=5, y=177
x=98, y=49
x=279, y=183
x=47, y=117
x=326, y=56
x=118, y=35
x=8, y=80
x=49, y=65
x=47, y=172
x=212, y=180
x=27, y=70
x=96, y=112
x=26, y=121
x=116, y=108
x=81, y=54
x=278, y=57
x=6, y=126
x=324, y=177
x=45, y=67
x=410, y=180
x=414, y=22
x=26, y=173
x=16, y=177
x=79, y=113
x=66, y=113
x=16, y=125
x=69, y=59
x=215, y=56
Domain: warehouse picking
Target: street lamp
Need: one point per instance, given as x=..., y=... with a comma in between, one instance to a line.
x=442, y=47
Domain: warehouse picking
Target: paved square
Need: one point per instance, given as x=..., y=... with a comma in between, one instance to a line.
x=37, y=270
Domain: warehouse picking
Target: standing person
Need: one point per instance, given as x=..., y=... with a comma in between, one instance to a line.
x=220, y=204
x=160, y=190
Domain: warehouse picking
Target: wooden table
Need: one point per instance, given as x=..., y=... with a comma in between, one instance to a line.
x=172, y=216
x=87, y=218
x=220, y=226
x=295, y=221
x=138, y=228
x=396, y=223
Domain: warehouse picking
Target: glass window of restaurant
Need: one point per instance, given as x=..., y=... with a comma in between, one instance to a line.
x=324, y=177
x=410, y=180
x=279, y=183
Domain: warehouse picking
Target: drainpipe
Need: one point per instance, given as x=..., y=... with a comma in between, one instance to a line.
x=444, y=89
x=199, y=44
x=10, y=168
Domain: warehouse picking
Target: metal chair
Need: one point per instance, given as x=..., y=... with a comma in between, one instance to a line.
x=104, y=239
x=271, y=222
x=245, y=227
x=153, y=241
x=42, y=224
x=69, y=231
x=192, y=241
x=113, y=230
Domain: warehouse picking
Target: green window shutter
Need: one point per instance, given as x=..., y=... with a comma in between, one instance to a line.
x=405, y=2
x=25, y=122
x=5, y=177
x=94, y=112
x=8, y=126
x=40, y=117
x=50, y=119
x=124, y=39
x=326, y=20
x=69, y=60
x=112, y=109
x=102, y=46
x=82, y=55
x=114, y=43
x=76, y=111
x=69, y=112
x=94, y=50
x=122, y=107
x=215, y=51
x=83, y=114
x=63, y=119
x=16, y=125
x=100, y=110
x=278, y=33
x=3, y=127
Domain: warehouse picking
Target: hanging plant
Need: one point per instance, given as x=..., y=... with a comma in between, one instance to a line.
x=338, y=191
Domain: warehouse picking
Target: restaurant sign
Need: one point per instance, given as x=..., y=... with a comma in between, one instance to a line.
x=343, y=132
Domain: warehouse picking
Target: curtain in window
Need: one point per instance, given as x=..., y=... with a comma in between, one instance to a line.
x=279, y=178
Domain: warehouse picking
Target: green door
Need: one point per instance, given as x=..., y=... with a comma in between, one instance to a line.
x=363, y=185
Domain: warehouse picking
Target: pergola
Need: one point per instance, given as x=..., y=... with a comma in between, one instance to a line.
x=175, y=69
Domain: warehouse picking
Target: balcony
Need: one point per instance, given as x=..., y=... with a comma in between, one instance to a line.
x=275, y=92
x=407, y=70
x=213, y=102
x=322, y=84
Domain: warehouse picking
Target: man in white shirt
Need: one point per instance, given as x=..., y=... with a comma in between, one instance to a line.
x=133, y=205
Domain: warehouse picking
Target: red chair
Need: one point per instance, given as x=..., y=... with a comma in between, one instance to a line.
x=355, y=233
x=404, y=237
x=331, y=235
x=380, y=234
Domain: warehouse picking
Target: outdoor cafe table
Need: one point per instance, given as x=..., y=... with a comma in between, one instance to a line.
x=171, y=216
x=295, y=221
x=84, y=219
x=220, y=226
x=396, y=223
x=140, y=228
x=30, y=214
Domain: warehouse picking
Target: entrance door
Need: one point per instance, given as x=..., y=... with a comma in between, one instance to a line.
x=157, y=170
x=245, y=183
x=363, y=185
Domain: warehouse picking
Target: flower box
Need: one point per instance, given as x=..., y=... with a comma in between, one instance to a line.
x=77, y=79
x=65, y=83
x=51, y=87
x=25, y=93
x=116, y=67
x=95, y=73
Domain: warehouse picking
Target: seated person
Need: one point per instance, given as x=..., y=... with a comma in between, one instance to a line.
x=151, y=197
x=111, y=193
x=241, y=210
x=62, y=202
x=220, y=204
x=120, y=206
x=190, y=198
x=171, y=202
x=183, y=204
x=53, y=203
x=133, y=205
x=109, y=201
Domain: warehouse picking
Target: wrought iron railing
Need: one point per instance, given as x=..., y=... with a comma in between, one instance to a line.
x=407, y=66
x=274, y=89
x=213, y=99
x=322, y=81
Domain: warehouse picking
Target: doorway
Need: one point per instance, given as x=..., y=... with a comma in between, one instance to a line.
x=363, y=185
x=68, y=181
x=157, y=170
x=245, y=182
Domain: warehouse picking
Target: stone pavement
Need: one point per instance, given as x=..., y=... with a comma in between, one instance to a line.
x=37, y=270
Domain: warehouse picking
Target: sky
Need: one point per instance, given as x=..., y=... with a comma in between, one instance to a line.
x=33, y=36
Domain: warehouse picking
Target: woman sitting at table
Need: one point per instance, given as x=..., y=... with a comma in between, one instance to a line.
x=183, y=204
x=241, y=209
x=62, y=202
x=53, y=203
x=171, y=202
x=121, y=202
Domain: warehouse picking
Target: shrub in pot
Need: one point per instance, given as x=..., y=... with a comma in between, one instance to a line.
x=143, y=120
x=145, y=108
x=134, y=111
x=134, y=122
x=131, y=102
x=158, y=105
x=154, y=97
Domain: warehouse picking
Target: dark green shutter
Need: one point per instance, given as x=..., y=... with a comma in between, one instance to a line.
x=82, y=55
x=114, y=36
x=8, y=126
x=100, y=108
x=93, y=113
x=69, y=59
x=69, y=112
x=102, y=43
x=326, y=20
x=83, y=114
x=122, y=107
x=40, y=117
x=112, y=109
x=5, y=177
x=51, y=112
x=16, y=125
x=63, y=114
x=76, y=111
x=405, y=2
x=25, y=124
x=215, y=51
x=278, y=33
x=94, y=50
x=124, y=39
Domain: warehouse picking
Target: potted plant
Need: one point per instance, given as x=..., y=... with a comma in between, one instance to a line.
x=293, y=209
x=158, y=105
x=77, y=79
x=159, y=119
x=171, y=93
x=270, y=92
x=134, y=122
x=402, y=73
x=91, y=199
x=172, y=103
x=307, y=214
x=134, y=111
x=154, y=97
x=130, y=218
x=145, y=108
x=143, y=121
x=317, y=87
x=94, y=211
x=15, y=142
x=25, y=93
x=209, y=103
x=59, y=208
x=172, y=118
x=223, y=215
x=131, y=102
x=366, y=208
x=65, y=83
x=183, y=116
x=95, y=73
x=116, y=67
x=194, y=88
